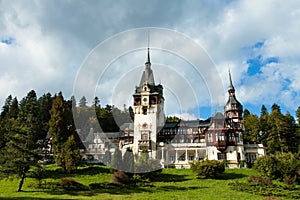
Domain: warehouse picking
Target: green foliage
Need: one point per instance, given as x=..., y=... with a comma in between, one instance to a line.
x=172, y=119
x=21, y=136
x=259, y=181
x=70, y=184
x=117, y=161
x=128, y=162
x=263, y=186
x=284, y=166
x=280, y=133
x=63, y=133
x=251, y=122
x=145, y=164
x=72, y=154
x=107, y=158
x=207, y=168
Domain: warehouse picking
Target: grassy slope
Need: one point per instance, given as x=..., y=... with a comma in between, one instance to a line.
x=171, y=184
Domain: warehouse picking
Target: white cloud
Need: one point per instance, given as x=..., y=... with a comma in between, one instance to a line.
x=52, y=38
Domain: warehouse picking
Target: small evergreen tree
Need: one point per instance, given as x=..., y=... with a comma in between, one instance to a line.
x=107, y=158
x=72, y=154
x=128, y=162
x=117, y=161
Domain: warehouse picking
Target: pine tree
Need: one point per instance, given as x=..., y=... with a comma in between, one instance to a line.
x=263, y=125
x=290, y=133
x=298, y=128
x=58, y=130
x=251, y=123
x=82, y=102
x=277, y=134
x=45, y=105
x=21, y=151
x=64, y=137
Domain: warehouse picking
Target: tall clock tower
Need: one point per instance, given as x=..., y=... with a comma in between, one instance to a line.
x=148, y=109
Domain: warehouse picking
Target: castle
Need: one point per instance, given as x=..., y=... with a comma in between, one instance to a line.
x=178, y=143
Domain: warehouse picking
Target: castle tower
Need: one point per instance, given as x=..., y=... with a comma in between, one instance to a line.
x=148, y=110
x=233, y=111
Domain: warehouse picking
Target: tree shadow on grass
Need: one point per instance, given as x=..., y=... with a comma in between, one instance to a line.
x=169, y=178
x=93, y=170
x=116, y=189
x=104, y=188
x=89, y=170
x=230, y=176
x=177, y=188
x=29, y=198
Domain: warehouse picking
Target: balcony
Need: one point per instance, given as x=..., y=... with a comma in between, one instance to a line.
x=196, y=144
x=221, y=145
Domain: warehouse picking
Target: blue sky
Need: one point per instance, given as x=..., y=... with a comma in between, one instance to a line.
x=43, y=44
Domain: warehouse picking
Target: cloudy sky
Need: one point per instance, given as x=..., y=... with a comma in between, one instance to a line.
x=48, y=45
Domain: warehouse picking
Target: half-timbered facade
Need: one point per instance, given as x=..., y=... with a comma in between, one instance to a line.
x=179, y=143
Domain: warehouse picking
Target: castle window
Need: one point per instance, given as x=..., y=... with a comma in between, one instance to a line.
x=221, y=136
x=144, y=136
x=172, y=158
x=182, y=157
x=231, y=137
x=210, y=138
x=237, y=138
x=221, y=156
x=145, y=111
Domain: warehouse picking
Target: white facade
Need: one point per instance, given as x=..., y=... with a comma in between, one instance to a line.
x=179, y=144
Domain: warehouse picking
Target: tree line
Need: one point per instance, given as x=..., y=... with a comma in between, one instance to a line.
x=24, y=126
x=278, y=132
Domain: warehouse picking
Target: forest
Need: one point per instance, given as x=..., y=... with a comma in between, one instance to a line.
x=24, y=126
x=278, y=132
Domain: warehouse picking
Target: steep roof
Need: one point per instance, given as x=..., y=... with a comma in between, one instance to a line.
x=232, y=102
x=147, y=76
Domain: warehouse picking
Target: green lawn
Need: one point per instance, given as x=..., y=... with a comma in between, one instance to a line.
x=171, y=184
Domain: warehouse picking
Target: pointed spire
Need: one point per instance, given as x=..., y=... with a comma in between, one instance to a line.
x=147, y=76
x=148, y=53
x=148, y=57
x=230, y=81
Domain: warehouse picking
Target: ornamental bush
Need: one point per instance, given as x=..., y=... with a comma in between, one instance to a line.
x=283, y=167
x=207, y=168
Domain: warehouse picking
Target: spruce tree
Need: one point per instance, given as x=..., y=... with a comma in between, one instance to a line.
x=263, y=125
x=64, y=136
x=72, y=154
x=58, y=130
x=251, y=123
x=21, y=150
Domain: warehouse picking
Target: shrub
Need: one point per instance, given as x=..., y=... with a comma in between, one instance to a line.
x=207, y=168
x=119, y=177
x=284, y=167
x=71, y=184
x=259, y=181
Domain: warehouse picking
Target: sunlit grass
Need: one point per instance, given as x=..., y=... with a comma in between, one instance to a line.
x=170, y=184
